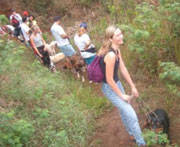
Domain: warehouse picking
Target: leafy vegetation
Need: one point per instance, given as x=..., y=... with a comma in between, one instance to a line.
x=153, y=138
x=3, y=20
x=40, y=108
x=37, y=98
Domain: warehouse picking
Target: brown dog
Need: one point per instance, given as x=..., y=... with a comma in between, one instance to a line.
x=76, y=64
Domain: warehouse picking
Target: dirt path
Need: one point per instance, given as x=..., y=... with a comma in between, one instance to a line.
x=111, y=131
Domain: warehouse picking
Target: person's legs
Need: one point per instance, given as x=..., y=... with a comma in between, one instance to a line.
x=45, y=58
x=16, y=32
x=68, y=50
x=127, y=113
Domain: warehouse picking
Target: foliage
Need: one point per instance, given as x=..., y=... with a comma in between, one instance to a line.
x=14, y=132
x=98, y=31
x=3, y=20
x=61, y=110
x=170, y=72
x=149, y=34
x=40, y=6
x=153, y=138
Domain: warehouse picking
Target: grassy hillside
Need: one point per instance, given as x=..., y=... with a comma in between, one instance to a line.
x=40, y=108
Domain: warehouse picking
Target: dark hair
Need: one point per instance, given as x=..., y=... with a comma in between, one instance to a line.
x=32, y=16
x=12, y=10
x=24, y=19
x=56, y=18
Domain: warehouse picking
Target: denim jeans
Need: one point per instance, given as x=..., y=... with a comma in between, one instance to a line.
x=127, y=113
x=67, y=50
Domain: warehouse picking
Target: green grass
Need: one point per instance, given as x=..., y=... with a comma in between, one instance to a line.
x=53, y=109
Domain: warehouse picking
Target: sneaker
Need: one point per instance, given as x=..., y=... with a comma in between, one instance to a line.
x=52, y=68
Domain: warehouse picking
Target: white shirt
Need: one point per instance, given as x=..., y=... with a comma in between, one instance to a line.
x=25, y=30
x=81, y=42
x=18, y=17
x=57, y=31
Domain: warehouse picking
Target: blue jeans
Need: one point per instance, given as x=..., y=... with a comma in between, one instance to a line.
x=67, y=50
x=127, y=113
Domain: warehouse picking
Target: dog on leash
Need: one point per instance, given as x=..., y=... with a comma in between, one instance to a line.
x=158, y=121
x=50, y=48
x=76, y=64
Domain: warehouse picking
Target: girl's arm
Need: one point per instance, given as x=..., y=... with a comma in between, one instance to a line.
x=34, y=47
x=127, y=77
x=109, y=60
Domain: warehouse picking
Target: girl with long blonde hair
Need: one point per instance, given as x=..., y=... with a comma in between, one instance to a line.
x=112, y=88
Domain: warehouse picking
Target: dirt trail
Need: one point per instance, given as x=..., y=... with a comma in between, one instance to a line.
x=111, y=131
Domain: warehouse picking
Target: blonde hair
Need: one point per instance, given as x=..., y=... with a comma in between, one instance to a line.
x=34, y=27
x=107, y=43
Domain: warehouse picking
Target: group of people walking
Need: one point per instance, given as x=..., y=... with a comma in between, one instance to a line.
x=111, y=62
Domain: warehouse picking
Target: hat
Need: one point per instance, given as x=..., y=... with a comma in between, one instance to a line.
x=84, y=25
x=25, y=13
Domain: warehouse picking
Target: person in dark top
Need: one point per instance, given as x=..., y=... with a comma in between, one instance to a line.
x=112, y=88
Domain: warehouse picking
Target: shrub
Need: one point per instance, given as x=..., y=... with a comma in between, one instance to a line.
x=14, y=132
x=170, y=72
x=3, y=20
x=152, y=138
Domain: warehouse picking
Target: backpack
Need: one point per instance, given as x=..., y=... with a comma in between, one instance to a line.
x=94, y=70
x=15, y=22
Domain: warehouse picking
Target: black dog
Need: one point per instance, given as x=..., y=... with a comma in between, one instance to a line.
x=158, y=121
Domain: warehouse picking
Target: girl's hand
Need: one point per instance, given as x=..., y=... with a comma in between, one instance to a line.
x=127, y=98
x=135, y=93
x=40, y=55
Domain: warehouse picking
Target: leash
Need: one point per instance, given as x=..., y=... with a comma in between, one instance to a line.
x=145, y=108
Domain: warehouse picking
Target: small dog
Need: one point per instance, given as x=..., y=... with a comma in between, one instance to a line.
x=76, y=64
x=158, y=121
x=50, y=48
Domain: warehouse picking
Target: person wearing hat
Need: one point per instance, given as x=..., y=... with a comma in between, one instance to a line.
x=25, y=14
x=84, y=45
x=61, y=37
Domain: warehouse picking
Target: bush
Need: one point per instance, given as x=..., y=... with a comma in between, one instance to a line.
x=170, y=72
x=152, y=138
x=14, y=132
x=3, y=20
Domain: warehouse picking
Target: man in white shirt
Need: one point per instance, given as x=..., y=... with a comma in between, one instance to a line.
x=61, y=37
x=16, y=21
x=25, y=31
